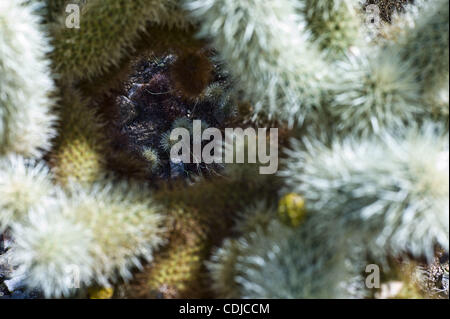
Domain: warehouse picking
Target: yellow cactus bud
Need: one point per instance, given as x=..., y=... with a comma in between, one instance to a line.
x=291, y=209
x=101, y=292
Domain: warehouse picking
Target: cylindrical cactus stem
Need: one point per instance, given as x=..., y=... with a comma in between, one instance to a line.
x=79, y=153
x=426, y=46
x=26, y=86
x=108, y=32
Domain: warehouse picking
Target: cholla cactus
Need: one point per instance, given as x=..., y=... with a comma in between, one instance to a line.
x=178, y=269
x=255, y=216
x=371, y=176
x=80, y=147
x=426, y=46
x=126, y=225
x=24, y=185
x=260, y=40
x=335, y=24
x=99, y=233
x=294, y=265
x=222, y=269
x=26, y=118
x=419, y=36
x=222, y=264
x=281, y=263
x=240, y=268
x=390, y=80
x=375, y=91
x=392, y=194
x=214, y=94
x=108, y=29
x=51, y=10
x=390, y=87
x=52, y=251
x=221, y=99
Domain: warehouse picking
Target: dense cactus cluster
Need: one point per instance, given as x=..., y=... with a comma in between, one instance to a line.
x=392, y=188
x=95, y=206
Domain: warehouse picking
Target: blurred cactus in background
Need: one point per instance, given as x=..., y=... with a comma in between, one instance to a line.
x=88, y=184
x=334, y=25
